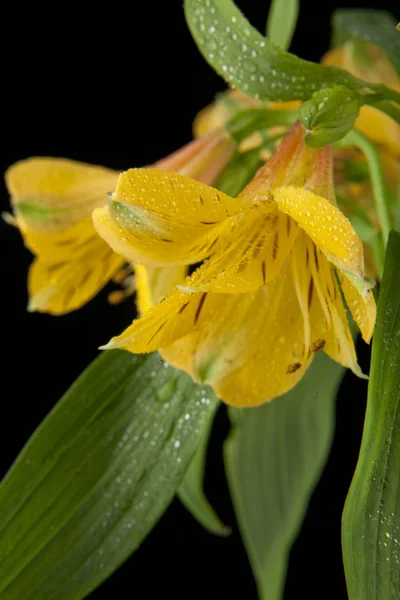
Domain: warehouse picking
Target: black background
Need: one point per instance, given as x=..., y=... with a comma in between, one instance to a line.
x=120, y=88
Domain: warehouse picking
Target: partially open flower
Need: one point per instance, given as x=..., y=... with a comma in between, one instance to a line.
x=249, y=320
x=53, y=199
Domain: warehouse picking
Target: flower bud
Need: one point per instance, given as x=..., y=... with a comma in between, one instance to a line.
x=329, y=115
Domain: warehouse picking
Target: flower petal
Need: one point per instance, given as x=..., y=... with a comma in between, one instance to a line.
x=202, y=159
x=68, y=282
x=362, y=306
x=325, y=225
x=255, y=252
x=49, y=194
x=249, y=347
x=167, y=321
x=339, y=343
x=154, y=283
x=250, y=350
x=160, y=219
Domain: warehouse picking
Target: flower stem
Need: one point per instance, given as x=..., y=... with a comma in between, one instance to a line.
x=371, y=152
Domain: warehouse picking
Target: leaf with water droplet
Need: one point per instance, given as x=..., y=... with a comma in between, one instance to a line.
x=243, y=52
x=191, y=489
x=97, y=475
x=371, y=517
x=376, y=27
x=273, y=458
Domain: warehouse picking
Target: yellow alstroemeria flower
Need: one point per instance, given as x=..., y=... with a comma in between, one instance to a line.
x=371, y=65
x=268, y=296
x=53, y=200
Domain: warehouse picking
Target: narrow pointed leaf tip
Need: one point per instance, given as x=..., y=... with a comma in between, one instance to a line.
x=97, y=475
x=273, y=458
x=251, y=62
x=282, y=18
x=371, y=517
x=372, y=26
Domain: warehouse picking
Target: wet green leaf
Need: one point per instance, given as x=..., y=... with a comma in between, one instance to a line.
x=251, y=62
x=376, y=27
x=274, y=457
x=191, y=489
x=371, y=517
x=97, y=475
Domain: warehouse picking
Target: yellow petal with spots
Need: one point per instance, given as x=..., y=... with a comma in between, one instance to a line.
x=49, y=194
x=325, y=225
x=174, y=317
x=339, y=343
x=160, y=219
x=325, y=319
x=251, y=350
x=71, y=280
x=53, y=199
x=255, y=252
x=154, y=283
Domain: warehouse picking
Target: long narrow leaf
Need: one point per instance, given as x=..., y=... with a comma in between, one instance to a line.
x=97, y=475
x=191, y=491
x=274, y=457
x=371, y=518
x=282, y=19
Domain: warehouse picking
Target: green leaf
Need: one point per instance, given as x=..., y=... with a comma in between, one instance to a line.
x=282, y=19
x=191, y=489
x=250, y=120
x=238, y=172
x=376, y=27
x=249, y=61
x=97, y=475
x=371, y=517
x=274, y=457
